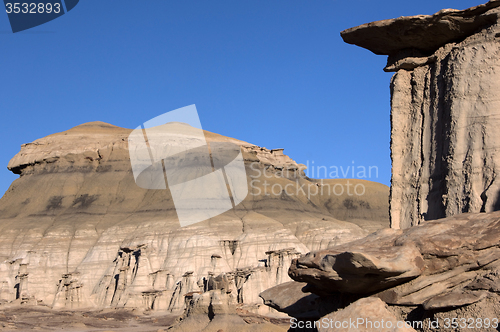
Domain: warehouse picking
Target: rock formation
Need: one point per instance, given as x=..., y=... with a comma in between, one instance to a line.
x=444, y=105
x=77, y=232
x=424, y=273
x=437, y=268
x=366, y=315
x=216, y=310
x=419, y=265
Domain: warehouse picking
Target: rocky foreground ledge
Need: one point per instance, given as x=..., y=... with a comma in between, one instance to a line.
x=443, y=269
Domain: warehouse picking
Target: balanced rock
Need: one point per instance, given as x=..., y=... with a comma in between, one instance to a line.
x=444, y=101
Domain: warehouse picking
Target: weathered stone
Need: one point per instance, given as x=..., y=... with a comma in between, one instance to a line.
x=443, y=110
x=294, y=299
x=489, y=282
x=365, y=315
x=429, y=263
x=449, y=166
x=426, y=33
x=290, y=298
x=454, y=299
x=365, y=266
x=215, y=311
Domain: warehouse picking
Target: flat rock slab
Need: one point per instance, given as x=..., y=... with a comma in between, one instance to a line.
x=422, y=32
x=291, y=298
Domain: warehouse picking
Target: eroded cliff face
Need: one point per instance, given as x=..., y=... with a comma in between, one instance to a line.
x=77, y=232
x=445, y=110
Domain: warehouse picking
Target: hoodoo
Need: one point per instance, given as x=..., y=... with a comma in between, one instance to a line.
x=426, y=272
x=444, y=110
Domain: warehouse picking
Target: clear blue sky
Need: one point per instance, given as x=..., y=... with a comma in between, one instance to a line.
x=274, y=73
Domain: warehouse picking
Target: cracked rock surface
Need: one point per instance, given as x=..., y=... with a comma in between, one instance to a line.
x=439, y=264
x=425, y=33
x=437, y=271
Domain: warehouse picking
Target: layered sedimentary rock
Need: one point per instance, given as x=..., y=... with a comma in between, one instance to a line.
x=77, y=232
x=435, y=264
x=437, y=269
x=444, y=110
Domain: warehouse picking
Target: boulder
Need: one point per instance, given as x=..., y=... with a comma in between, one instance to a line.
x=365, y=315
x=438, y=264
x=291, y=299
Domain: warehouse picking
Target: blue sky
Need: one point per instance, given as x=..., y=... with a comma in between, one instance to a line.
x=275, y=73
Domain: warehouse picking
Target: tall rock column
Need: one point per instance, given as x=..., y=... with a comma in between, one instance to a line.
x=445, y=110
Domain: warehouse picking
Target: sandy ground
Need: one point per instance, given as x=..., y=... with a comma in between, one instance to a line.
x=40, y=318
